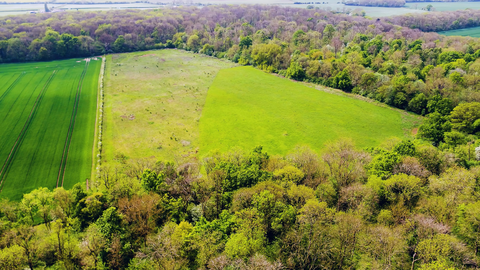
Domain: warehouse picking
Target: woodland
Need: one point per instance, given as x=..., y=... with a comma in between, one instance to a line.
x=406, y=204
x=403, y=205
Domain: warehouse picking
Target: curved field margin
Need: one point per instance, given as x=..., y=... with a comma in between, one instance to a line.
x=60, y=131
x=246, y=107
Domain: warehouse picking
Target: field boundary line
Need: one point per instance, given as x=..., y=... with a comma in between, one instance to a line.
x=97, y=137
x=68, y=140
x=13, y=151
x=11, y=86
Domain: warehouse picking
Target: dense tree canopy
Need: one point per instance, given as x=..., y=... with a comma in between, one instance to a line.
x=404, y=205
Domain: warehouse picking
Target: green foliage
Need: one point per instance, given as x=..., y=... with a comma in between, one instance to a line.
x=245, y=42
x=435, y=252
x=434, y=127
x=454, y=138
x=12, y=258
x=467, y=225
x=343, y=81
x=385, y=217
x=207, y=49
x=463, y=117
x=193, y=43
x=151, y=181
x=298, y=36
x=382, y=163
x=383, y=223
x=404, y=189
x=418, y=104
x=441, y=105
x=289, y=174
x=266, y=55
x=405, y=148
x=295, y=71
x=250, y=236
x=451, y=56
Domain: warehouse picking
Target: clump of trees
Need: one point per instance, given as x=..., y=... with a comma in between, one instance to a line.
x=455, y=129
x=405, y=204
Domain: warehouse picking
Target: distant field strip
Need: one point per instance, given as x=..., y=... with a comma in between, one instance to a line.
x=246, y=107
x=466, y=32
x=45, y=114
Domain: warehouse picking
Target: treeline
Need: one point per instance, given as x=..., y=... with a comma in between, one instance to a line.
x=402, y=67
x=376, y=3
x=404, y=205
x=438, y=21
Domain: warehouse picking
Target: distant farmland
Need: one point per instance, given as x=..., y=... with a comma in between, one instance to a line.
x=246, y=107
x=466, y=32
x=47, y=111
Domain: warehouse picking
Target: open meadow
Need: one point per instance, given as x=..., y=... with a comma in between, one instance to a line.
x=153, y=102
x=246, y=107
x=155, y=107
x=47, y=111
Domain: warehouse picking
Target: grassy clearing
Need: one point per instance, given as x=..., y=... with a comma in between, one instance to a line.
x=153, y=102
x=246, y=107
x=466, y=32
x=36, y=111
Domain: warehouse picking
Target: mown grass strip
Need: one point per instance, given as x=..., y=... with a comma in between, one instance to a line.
x=246, y=107
x=66, y=148
x=98, y=119
x=8, y=161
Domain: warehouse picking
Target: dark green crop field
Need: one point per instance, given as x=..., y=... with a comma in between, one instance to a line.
x=246, y=107
x=466, y=32
x=47, y=116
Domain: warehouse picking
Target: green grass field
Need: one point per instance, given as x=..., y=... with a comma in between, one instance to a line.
x=47, y=111
x=153, y=102
x=246, y=107
x=466, y=32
